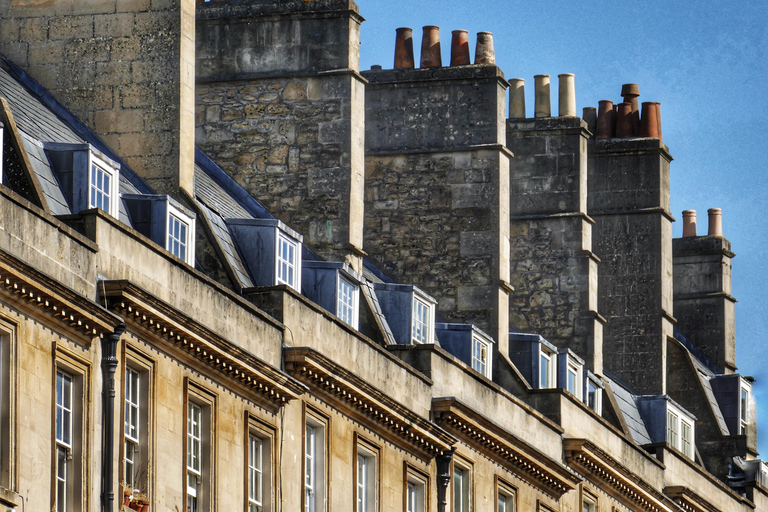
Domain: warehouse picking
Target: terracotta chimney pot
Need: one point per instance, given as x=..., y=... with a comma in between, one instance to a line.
x=517, y=98
x=542, y=106
x=460, y=48
x=624, y=128
x=630, y=92
x=689, y=223
x=404, y=48
x=430, y=48
x=715, y=222
x=649, y=123
x=606, y=120
x=567, y=95
x=484, y=53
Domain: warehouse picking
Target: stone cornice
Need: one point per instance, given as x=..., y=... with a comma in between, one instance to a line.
x=688, y=500
x=139, y=307
x=69, y=308
x=607, y=472
x=499, y=444
x=355, y=397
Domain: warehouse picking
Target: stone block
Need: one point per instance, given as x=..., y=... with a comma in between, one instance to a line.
x=132, y=96
x=46, y=75
x=125, y=49
x=472, y=196
x=94, y=7
x=476, y=243
x=71, y=27
x=113, y=73
x=113, y=25
x=32, y=29
x=17, y=52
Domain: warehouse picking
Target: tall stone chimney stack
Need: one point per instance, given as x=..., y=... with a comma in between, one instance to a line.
x=281, y=110
x=629, y=201
x=704, y=306
x=437, y=184
x=125, y=67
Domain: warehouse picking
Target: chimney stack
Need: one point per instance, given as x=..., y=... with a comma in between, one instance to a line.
x=689, y=223
x=484, y=53
x=404, y=48
x=460, y=48
x=715, y=222
x=542, y=102
x=430, y=47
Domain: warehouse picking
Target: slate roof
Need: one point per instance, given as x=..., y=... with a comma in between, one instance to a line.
x=628, y=407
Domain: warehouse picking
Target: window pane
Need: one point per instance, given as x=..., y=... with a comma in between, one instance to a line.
x=544, y=371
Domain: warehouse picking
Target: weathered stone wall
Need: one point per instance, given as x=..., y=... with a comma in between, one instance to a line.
x=629, y=201
x=704, y=306
x=124, y=67
x=435, y=222
x=289, y=130
x=554, y=272
x=437, y=188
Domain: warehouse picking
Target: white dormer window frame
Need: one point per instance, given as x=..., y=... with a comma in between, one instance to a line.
x=287, y=260
x=422, y=319
x=180, y=234
x=593, y=395
x=680, y=431
x=103, y=184
x=547, y=367
x=481, y=355
x=347, y=300
x=745, y=391
x=574, y=377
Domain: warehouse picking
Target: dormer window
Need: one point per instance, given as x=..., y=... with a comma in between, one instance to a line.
x=333, y=286
x=744, y=394
x=165, y=221
x=103, y=186
x=546, y=368
x=180, y=241
x=287, y=261
x=571, y=370
x=679, y=430
x=593, y=393
x=422, y=320
x=481, y=355
x=410, y=313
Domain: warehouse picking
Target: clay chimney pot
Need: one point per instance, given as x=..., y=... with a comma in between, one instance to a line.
x=404, y=48
x=430, y=48
x=517, y=98
x=543, y=107
x=606, y=120
x=689, y=223
x=460, y=48
x=484, y=52
x=715, y=222
x=624, y=126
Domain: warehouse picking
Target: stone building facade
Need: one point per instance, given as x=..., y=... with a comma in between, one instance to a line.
x=238, y=273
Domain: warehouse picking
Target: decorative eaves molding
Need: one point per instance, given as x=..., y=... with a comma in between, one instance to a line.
x=363, y=402
x=139, y=307
x=688, y=500
x=64, y=305
x=501, y=445
x=607, y=472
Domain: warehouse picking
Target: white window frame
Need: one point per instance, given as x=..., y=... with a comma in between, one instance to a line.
x=292, y=264
x=7, y=403
x=64, y=441
x=114, y=185
x=199, y=435
x=315, y=447
x=461, y=484
x=678, y=423
x=255, y=473
x=598, y=405
x=574, y=371
x=481, y=355
x=550, y=375
x=745, y=391
x=415, y=492
x=506, y=497
x=422, y=303
x=588, y=504
x=189, y=242
x=132, y=430
x=347, y=300
x=194, y=456
x=366, y=477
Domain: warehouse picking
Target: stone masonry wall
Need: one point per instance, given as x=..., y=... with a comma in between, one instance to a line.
x=118, y=65
x=281, y=139
x=434, y=216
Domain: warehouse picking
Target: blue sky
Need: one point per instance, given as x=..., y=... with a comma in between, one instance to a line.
x=706, y=63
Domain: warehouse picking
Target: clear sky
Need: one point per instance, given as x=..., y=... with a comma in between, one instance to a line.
x=706, y=62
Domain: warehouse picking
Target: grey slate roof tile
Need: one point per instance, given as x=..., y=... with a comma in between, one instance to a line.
x=227, y=245
x=210, y=193
x=42, y=167
x=631, y=414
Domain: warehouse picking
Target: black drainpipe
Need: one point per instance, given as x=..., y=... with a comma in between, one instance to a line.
x=108, y=367
x=443, y=478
